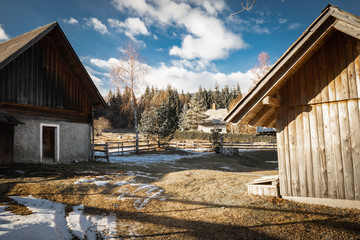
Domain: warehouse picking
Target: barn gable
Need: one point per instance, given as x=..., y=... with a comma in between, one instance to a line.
x=258, y=106
x=312, y=96
x=40, y=70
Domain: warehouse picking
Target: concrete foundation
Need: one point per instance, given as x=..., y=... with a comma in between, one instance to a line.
x=72, y=143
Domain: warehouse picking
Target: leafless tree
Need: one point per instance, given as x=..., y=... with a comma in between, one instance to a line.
x=130, y=71
x=261, y=68
x=245, y=6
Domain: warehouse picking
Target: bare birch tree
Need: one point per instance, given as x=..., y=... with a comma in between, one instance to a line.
x=130, y=71
x=261, y=68
x=247, y=5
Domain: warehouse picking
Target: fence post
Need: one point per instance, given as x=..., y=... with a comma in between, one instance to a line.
x=107, y=151
x=148, y=145
x=122, y=148
x=118, y=150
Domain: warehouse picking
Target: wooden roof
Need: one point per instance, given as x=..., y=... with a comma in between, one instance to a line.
x=6, y=118
x=11, y=49
x=258, y=107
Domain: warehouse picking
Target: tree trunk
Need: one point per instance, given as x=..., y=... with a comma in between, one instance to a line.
x=135, y=123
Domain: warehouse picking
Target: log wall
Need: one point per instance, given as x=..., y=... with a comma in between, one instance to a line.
x=43, y=76
x=318, y=124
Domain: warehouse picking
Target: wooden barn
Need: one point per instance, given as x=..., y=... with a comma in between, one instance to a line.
x=311, y=96
x=46, y=99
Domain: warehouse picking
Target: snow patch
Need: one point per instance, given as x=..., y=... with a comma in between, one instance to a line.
x=141, y=160
x=48, y=221
x=93, y=180
x=227, y=168
x=151, y=192
x=140, y=174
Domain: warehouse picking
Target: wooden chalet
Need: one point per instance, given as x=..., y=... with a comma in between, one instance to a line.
x=46, y=99
x=312, y=97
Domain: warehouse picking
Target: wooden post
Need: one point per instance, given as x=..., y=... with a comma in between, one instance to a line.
x=107, y=151
x=92, y=136
x=122, y=148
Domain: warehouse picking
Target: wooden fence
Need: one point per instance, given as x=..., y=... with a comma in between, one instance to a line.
x=120, y=148
x=206, y=145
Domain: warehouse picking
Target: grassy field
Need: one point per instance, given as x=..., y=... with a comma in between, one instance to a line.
x=203, y=197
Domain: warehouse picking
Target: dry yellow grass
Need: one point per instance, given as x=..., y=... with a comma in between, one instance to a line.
x=199, y=202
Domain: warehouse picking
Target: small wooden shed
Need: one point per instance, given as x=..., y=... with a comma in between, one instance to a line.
x=44, y=85
x=311, y=96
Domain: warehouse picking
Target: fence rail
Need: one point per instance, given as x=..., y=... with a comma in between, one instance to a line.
x=206, y=145
x=105, y=150
x=119, y=148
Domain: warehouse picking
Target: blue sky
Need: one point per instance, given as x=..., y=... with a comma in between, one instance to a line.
x=185, y=43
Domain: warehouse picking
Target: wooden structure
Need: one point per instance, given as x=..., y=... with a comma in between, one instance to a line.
x=312, y=96
x=265, y=186
x=44, y=84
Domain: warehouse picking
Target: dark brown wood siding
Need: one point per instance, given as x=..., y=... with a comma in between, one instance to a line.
x=43, y=76
x=318, y=125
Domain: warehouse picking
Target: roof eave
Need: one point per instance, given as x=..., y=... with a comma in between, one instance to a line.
x=330, y=15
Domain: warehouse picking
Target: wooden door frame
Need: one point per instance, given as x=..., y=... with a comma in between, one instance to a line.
x=57, y=140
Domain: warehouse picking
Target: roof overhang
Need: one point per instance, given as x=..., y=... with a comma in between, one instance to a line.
x=8, y=119
x=258, y=107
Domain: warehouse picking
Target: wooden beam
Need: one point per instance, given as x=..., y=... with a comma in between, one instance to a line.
x=262, y=116
x=310, y=41
x=348, y=29
x=270, y=101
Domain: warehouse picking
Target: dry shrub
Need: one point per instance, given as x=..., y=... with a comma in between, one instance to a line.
x=101, y=124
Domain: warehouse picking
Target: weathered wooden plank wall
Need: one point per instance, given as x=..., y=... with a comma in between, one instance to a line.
x=43, y=76
x=318, y=124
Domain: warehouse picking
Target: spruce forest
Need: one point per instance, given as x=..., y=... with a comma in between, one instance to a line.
x=163, y=111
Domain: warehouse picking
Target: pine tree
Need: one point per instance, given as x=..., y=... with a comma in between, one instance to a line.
x=216, y=96
x=194, y=116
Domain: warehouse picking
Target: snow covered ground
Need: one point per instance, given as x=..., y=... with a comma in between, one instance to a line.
x=130, y=188
x=141, y=160
x=48, y=221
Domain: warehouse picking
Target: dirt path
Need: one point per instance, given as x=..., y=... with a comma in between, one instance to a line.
x=203, y=197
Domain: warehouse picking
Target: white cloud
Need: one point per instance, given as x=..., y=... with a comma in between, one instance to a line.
x=207, y=38
x=189, y=81
x=100, y=83
x=107, y=65
x=260, y=30
x=282, y=20
x=293, y=26
x=211, y=6
x=71, y=21
x=181, y=77
x=97, y=25
x=159, y=49
x=131, y=27
x=3, y=35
